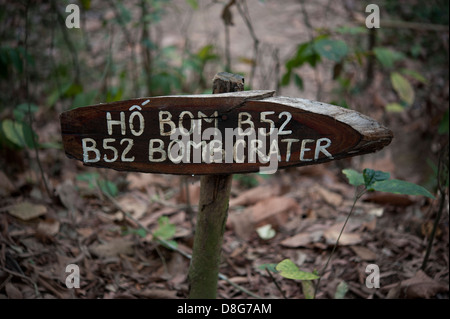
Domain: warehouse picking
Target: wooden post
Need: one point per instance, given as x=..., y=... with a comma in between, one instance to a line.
x=162, y=135
x=212, y=215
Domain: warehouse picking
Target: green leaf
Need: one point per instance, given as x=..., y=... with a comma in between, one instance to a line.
x=206, y=53
x=289, y=270
x=54, y=95
x=354, y=178
x=18, y=133
x=86, y=4
x=305, y=54
x=125, y=14
x=15, y=58
x=108, y=187
x=443, y=126
x=286, y=78
x=371, y=176
x=141, y=232
x=171, y=244
x=402, y=87
x=387, y=57
x=415, y=75
x=73, y=89
x=21, y=111
x=394, y=107
x=193, y=4
x=334, y=50
x=341, y=290
x=84, y=98
x=89, y=177
x=400, y=187
x=298, y=81
x=114, y=94
x=165, y=229
x=270, y=267
x=12, y=131
x=28, y=135
x=308, y=289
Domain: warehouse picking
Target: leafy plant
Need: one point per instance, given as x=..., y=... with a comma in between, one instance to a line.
x=288, y=269
x=379, y=181
x=370, y=180
x=17, y=132
x=373, y=180
x=93, y=179
x=387, y=57
x=311, y=53
x=403, y=88
x=165, y=232
x=162, y=234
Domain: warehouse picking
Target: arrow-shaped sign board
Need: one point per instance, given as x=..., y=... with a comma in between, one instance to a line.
x=225, y=133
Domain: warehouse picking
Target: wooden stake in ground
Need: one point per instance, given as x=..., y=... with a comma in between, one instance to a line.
x=212, y=215
x=183, y=134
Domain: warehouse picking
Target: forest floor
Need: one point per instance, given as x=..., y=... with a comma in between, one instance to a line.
x=306, y=207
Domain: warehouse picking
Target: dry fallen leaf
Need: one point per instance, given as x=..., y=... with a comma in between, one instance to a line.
x=273, y=210
x=332, y=234
x=113, y=248
x=27, y=210
x=255, y=195
x=48, y=227
x=364, y=253
x=155, y=293
x=266, y=232
x=12, y=291
x=68, y=194
x=421, y=286
x=331, y=198
x=381, y=198
x=133, y=205
x=140, y=180
x=301, y=239
x=242, y=224
x=6, y=187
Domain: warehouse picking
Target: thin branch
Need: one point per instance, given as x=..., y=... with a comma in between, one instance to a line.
x=309, y=29
x=415, y=26
x=146, y=51
x=16, y=274
x=276, y=284
x=243, y=11
x=357, y=196
x=442, y=177
x=30, y=115
x=227, y=19
x=67, y=39
x=131, y=44
x=223, y=277
x=370, y=59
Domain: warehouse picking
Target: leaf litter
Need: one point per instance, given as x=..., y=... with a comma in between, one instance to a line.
x=305, y=208
x=116, y=260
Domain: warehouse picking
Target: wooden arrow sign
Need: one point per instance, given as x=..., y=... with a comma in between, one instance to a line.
x=225, y=133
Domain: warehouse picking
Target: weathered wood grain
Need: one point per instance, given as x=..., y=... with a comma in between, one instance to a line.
x=311, y=125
